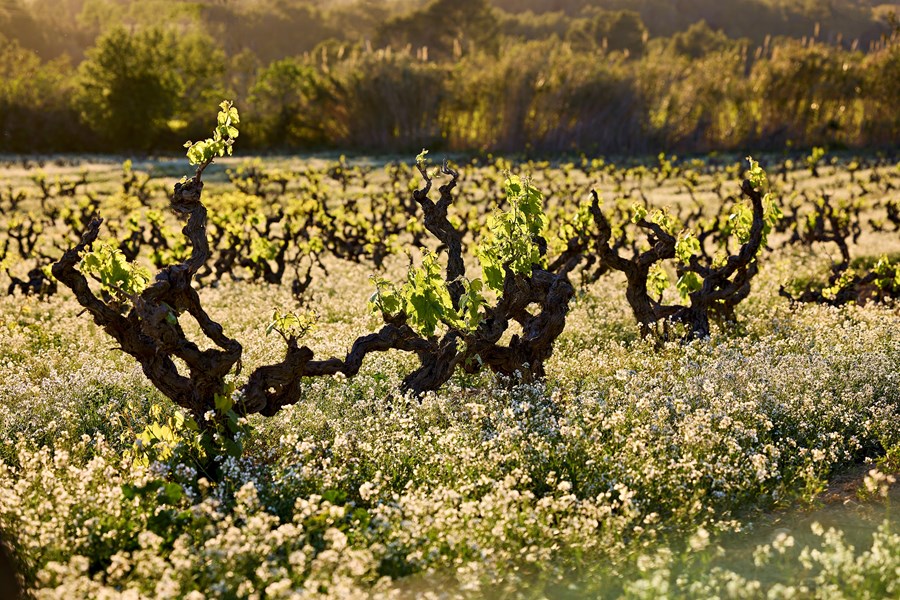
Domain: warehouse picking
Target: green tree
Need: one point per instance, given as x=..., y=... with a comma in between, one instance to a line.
x=443, y=26
x=279, y=98
x=624, y=30
x=621, y=30
x=135, y=87
x=35, y=111
x=699, y=40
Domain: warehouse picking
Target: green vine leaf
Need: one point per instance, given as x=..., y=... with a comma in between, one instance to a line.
x=512, y=235
x=290, y=325
x=119, y=278
x=203, y=152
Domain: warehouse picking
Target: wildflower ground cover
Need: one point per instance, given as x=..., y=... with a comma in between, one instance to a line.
x=637, y=468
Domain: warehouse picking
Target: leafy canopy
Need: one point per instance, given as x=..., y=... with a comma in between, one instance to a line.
x=425, y=300
x=511, y=243
x=512, y=235
x=119, y=278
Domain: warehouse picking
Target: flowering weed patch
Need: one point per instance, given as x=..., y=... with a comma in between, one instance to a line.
x=625, y=448
x=616, y=470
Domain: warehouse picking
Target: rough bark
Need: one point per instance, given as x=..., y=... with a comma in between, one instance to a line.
x=723, y=287
x=150, y=331
x=439, y=226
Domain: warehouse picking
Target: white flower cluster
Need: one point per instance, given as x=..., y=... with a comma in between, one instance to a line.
x=625, y=455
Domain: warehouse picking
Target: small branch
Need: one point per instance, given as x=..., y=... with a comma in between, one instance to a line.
x=439, y=226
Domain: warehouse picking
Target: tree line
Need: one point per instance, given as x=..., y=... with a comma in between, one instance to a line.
x=521, y=76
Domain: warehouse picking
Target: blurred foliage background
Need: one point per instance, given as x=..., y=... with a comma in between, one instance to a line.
x=530, y=76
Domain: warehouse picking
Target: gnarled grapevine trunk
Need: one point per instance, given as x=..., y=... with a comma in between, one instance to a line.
x=151, y=333
x=722, y=289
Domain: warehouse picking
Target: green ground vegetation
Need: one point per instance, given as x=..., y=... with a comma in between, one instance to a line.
x=639, y=466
